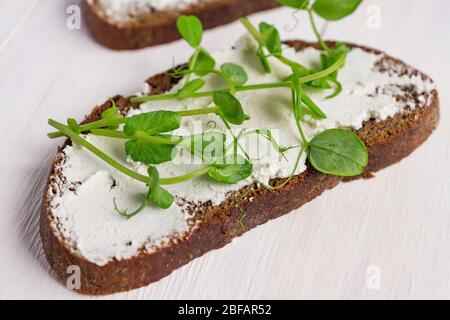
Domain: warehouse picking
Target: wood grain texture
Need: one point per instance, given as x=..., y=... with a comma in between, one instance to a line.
x=160, y=27
x=398, y=222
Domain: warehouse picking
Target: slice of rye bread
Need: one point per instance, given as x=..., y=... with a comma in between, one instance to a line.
x=159, y=27
x=388, y=142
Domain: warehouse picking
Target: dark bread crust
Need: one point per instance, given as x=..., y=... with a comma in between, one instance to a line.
x=388, y=142
x=160, y=27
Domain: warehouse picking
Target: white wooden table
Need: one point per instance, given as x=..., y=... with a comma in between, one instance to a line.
x=388, y=237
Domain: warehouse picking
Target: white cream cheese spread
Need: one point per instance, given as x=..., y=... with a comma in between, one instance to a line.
x=123, y=10
x=83, y=207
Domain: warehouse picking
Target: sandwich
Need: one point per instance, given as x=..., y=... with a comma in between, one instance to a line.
x=226, y=142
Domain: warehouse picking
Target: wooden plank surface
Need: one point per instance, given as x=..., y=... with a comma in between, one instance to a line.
x=395, y=228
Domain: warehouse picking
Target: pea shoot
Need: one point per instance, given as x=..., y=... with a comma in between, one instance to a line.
x=149, y=137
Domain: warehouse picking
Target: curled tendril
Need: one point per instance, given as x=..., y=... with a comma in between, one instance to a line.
x=286, y=181
x=267, y=134
x=289, y=28
x=211, y=125
x=125, y=214
x=337, y=90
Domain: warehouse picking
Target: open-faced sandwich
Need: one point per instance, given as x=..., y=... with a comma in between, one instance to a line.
x=134, y=24
x=222, y=144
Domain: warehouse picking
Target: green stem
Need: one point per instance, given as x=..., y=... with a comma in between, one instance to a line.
x=89, y=126
x=231, y=86
x=193, y=63
x=196, y=112
x=257, y=36
x=128, y=216
x=110, y=133
x=117, y=165
x=316, y=32
x=186, y=177
x=54, y=135
x=321, y=74
x=103, y=123
x=173, y=140
x=204, y=94
x=262, y=86
x=217, y=73
x=260, y=52
x=113, y=163
x=236, y=143
x=296, y=98
x=286, y=181
x=337, y=90
x=302, y=134
x=159, y=97
x=259, y=86
x=291, y=64
x=253, y=31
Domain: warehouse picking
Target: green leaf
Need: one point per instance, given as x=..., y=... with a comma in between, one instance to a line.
x=153, y=176
x=208, y=145
x=313, y=107
x=338, y=152
x=152, y=123
x=112, y=115
x=233, y=170
x=149, y=152
x=190, y=88
x=339, y=49
x=161, y=197
x=297, y=4
x=335, y=9
x=191, y=29
x=270, y=37
x=329, y=57
x=235, y=73
x=230, y=107
x=296, y=97
x=204, y=64
x=158, y=195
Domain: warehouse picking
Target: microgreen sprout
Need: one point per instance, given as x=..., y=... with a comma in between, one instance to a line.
x=149, y=137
